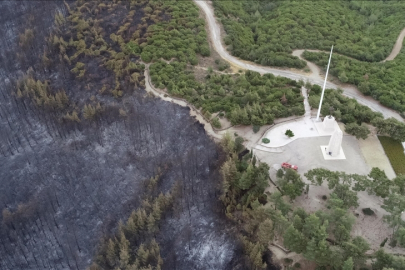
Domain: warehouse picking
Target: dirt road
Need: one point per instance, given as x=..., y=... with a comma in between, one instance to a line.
x=397, y=47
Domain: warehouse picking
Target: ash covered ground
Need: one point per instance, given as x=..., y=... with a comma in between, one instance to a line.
x=64, y=187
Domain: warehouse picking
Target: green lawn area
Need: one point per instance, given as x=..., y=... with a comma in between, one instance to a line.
x=395, y=153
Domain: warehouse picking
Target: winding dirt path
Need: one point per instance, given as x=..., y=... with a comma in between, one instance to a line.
x=314, y=78
x=397, y=47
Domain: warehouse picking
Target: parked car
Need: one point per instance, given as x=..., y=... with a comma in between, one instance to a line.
x=286, y=165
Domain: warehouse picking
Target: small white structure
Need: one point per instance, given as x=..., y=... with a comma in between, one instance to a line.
x=329, y=124
x=327, y=127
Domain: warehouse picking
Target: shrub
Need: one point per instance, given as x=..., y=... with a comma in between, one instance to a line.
x=215, y=122
x=146, y=57
x=265, y=140
x=239, y=144
x=289, y=133
x=280, y=173
x=256, y=129
x=223, y=66
x=324, y=197
x=383, y=242
x=393, y=242
x=297, y=265
x=360, y=132
x=288, y=260
x=205, y=50
x=367, y=211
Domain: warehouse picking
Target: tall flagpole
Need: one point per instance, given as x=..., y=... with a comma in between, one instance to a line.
x=324, y=85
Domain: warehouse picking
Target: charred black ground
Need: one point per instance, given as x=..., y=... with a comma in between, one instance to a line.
x=65, y=186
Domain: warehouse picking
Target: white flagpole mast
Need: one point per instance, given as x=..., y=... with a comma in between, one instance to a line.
x=324, y=85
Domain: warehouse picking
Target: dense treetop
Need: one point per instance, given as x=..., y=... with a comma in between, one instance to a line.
x=173, y=46
x=266, y=32
x=383, y=81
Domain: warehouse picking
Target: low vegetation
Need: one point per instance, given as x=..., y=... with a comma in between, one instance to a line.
x=246, y=99
x=324, y=236
x=376, y=183
x=289, y=133
x=265, y=140
x=262, y=217
x=382, y=81
x=359, y=131
x=363, y=34
x=134, y=245
x=267, y=32
x=353, y=114
x=395, y=153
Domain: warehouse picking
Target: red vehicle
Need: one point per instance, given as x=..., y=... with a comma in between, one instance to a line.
x=286, y=165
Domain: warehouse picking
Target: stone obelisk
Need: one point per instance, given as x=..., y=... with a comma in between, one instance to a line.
x=335, y=143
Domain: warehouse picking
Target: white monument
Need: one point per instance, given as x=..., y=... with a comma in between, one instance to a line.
x=335, y=143
x=329, y=123
x=334, y=149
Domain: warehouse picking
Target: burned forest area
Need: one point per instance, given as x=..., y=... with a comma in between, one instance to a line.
x=82, y=146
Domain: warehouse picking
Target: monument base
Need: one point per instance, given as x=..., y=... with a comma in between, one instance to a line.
x=326, y=155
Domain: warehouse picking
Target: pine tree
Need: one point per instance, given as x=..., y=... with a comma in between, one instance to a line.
x=141, y=218
x=89, y=111
x=311, y=226
x=156, y=212
x=124, y=251
x=337, y=257
x=279, y=204
x=111, y=253
x=131, y=226
x=294, y=240
x=244, y=117
x=298, y=223
x=151, y=223
x=255, y=255
x=318, y=251
x=265, y=232
x=348, y=264
x=142, y=254
x=341, y=233
x=245, y=181
x=154, y=247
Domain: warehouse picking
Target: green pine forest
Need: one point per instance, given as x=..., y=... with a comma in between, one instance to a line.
x=248, y=98
x=363, y=33
x=383, y=81
x=261, y=30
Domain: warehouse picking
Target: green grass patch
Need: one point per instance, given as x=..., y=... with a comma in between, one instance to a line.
x=395, y=152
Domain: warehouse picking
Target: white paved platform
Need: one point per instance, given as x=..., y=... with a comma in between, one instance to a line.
x=302, y=128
